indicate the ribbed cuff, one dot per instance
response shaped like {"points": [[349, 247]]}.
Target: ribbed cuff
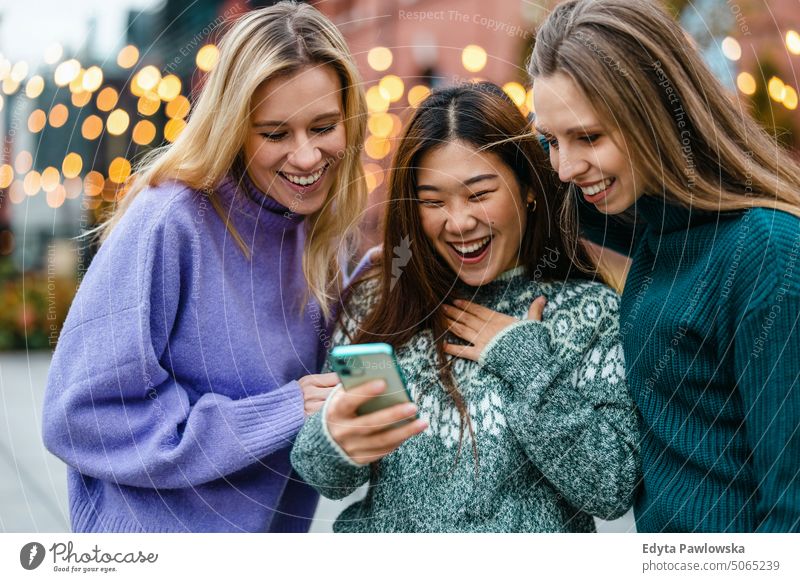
{"points": [[268, 422]]}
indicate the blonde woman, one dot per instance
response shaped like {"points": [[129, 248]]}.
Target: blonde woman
{"points": [[637, 124], [187, 363]]}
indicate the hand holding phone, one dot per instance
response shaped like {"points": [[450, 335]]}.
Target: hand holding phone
{"points": [[370, 437]]}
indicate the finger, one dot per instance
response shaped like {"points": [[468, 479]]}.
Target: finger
{"points": [[474, 309], [537, 308], [378, 446], [460, 329], [380, 420], [348, 401], [462, 316], [311, 407], [314, 393], [465, 352], [330, 379]]}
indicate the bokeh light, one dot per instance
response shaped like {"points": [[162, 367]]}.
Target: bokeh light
{"points": [[178, 107], [207, 57], [731, 48], [173, 129], [72, 165], [746, 83], [107, 99], [473, 58], [380, 58], [34, 86], [127, 56], [58, 115], [117, 122], [793, 42], [93, 183], [417, 94], [51, 178], [144, 132], [92, 79], [37, 120], [169, 88], [6, 175], [119, 170], [66, 72], [92, 127]]}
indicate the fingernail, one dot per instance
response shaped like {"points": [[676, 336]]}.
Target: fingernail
{"points": [[378, 385], [409, 409]]}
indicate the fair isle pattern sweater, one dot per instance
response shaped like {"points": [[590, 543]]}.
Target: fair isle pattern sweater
{"points": [[555, 427]]}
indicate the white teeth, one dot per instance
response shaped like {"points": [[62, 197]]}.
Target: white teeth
{"points": [[472, 247], [597, 188], [304, 180]]}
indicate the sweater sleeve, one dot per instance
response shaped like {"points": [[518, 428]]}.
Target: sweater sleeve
{"points": [[322, 463], [767, 361], [569, 406], [113, 410]]}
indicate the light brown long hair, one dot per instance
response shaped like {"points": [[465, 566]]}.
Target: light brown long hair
{"points": [[482, 116], [263, 44], [691, 140]]}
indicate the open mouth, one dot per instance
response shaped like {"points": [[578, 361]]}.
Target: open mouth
{"points": [[307, 181], [472, 252], [597, 192]]}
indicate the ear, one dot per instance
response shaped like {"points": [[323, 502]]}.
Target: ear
{"points": [[529, 197]]}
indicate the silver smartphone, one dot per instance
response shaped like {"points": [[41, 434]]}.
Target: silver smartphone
{"points": [[360, 363]]}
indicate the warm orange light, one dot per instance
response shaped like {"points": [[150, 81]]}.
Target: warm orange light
{"points": [[393, 87], [746, 83], [81, 99], [92, 127], [144, 132], [169, 88], [93, 183], [32, 183], [56, 196], [6, 175], [73, 187], [72, 165], [377, 147], [119, 170], [36, 121], [51, 178], [173, 129], [59, 115], [107, 99], [516, 92], [16, 192], [178, 107], [148, 103], [207, 57], [380, 124], [377, 101], [417, 95], [128, 56]]}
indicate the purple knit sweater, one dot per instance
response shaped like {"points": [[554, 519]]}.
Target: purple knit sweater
{"points": [[173, 393]]}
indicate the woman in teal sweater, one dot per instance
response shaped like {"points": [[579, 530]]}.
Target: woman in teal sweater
{"points": [[525, 426], [668, 169]]}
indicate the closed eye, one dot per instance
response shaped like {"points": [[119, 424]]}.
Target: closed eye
{"points": [[479, 195], [326, 129], [591, 138], [430, 203], [274, 136]]}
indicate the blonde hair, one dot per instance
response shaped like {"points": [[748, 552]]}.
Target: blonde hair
{"points": [[685, 134], [260, 45]]}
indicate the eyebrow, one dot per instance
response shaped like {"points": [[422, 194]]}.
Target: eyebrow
{"points": [[572, 130], [468, 182], [320, 117]]}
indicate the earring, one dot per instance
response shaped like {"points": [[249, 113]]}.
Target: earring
{"points": [[533, 207]]}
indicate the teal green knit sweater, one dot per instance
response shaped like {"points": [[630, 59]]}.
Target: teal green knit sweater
{"points": [[709, 320], [555, 427]]}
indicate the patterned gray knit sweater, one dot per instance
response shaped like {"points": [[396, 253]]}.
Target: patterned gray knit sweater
{"points": [[555, 427]]}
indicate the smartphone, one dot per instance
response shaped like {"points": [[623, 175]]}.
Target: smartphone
{"points": [[360, 363]]}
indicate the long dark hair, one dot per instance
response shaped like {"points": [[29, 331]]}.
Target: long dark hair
{"points": [[483, 116]]}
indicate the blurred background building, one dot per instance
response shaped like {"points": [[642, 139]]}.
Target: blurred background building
{"points": [[81, 104]]}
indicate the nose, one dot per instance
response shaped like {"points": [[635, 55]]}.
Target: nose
{"points": [[460, 221], [569, 165], [306, 156]]}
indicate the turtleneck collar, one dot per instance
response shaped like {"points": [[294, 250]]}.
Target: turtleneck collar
{"points": [[668, 217], [246, 198]]}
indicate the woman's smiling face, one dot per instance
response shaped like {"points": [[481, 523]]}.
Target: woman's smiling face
{"points": [[582, 150], [297, 138], [471, 210]]}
